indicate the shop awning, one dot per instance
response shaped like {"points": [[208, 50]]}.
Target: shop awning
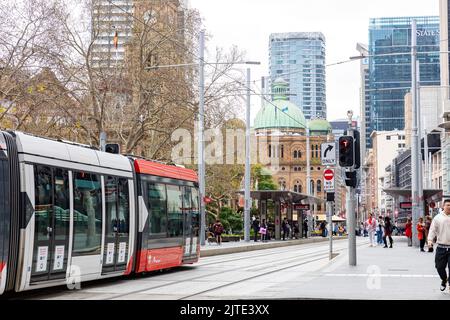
{"points": [[427, 193], [284, 196]]}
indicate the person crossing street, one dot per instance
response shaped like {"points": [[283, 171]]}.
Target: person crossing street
{"points": [[440, 233], [371, 224]]}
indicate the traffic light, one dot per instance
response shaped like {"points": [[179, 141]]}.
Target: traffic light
{"points": [[346, 152], [357, 137], [350, 179], [112, 148]]}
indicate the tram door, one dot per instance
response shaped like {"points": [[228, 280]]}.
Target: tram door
{"points": [[117, 222], [51, 224], [190, 240]]}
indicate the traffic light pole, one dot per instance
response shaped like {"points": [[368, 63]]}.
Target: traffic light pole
{"points": [[351, 218]]}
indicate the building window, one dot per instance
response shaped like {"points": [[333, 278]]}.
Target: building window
{"points": [[388, 137], [295, 154], [270, 151], [282, 151], [319, 186]]}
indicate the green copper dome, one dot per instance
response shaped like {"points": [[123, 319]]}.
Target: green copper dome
{"points": [[280, 113], [320, 125]]}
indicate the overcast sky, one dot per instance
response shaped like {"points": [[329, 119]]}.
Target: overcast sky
{"points": [[248, 24]]}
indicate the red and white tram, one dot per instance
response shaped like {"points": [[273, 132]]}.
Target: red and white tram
{"points": [[71, 213]]}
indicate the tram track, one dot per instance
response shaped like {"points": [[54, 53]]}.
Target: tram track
{"points": [[322, 254]]}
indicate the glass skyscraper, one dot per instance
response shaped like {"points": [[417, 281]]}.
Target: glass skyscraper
{"points": [[390, 75], [299, 58]]}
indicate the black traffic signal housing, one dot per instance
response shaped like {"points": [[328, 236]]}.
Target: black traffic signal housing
{"points": [[112, 148], [357, 138], [350, 179], [346, 152]]}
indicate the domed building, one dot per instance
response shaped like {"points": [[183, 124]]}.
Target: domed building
{"points": [[281, 126]]}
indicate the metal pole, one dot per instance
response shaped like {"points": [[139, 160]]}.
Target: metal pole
{"points": [[308, 178], [414, 138], [419, 143], [201, 163], [351, 219], [248, 200], [103, 141], [426, 165]]}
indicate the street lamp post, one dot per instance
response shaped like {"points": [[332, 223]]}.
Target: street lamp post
{"points": [[248, 199]]}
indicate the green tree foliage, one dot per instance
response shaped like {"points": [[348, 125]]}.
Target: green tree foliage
{"points": [[263, 177]]}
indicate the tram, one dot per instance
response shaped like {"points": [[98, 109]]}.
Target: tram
{"points": [[70, 213]]}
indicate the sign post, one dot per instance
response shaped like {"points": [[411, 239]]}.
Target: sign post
{"points": [[328, 154], [328, 178]]}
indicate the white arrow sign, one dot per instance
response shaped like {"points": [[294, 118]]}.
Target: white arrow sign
{"points": [[329, 154]]}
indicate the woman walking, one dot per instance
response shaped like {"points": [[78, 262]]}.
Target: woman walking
{"points": [[421, 233], [388, 232], [263, 230], [371, 228], [408, 232]]}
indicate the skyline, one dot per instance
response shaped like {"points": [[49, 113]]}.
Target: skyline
{"points": [[344, 24]]}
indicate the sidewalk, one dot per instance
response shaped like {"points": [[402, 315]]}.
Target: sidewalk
{"points": [[214, 249], [400, 273]]}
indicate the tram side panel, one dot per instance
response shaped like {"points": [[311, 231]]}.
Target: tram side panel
{"points": [[4, 212], [64, 238]]}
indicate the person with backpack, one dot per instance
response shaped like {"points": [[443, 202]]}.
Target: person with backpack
{"points": [[388, 228], [255, 226], [305, 228], [218, 230]]}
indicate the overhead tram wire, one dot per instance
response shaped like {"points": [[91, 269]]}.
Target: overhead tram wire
{"points": [[243, 84], [206, 63]]}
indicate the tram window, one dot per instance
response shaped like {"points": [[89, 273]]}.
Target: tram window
{"points": [[124, 206], [157, 206], [43, 201], [174, 205], [187, 207], [195, 213], [87, 214], [62, 204], [111, 205]]}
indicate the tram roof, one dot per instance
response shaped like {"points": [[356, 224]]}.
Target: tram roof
{"points": [[283, 196], [164, 170]]}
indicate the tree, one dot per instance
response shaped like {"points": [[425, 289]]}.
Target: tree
{"points": [[262, 178]]}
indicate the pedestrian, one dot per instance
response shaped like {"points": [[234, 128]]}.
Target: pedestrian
{"points": [[285, 227], [388, 232], [421, 233], [335, 229], [361, 229], [305, 228], [428, 220], [380, 226], [263, 230], [218, 230], [255, 226], [408, 231], [371, 224], [440, 233], [322, 229], [341, 230]]}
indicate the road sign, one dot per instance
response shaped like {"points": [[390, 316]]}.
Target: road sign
{"points": [[328, 180], [329, 154], [300, 206]]}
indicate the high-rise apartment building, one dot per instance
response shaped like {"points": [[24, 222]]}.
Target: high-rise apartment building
{"points": [[114, 21], [390, 67], [299, 58], [112, 29]]}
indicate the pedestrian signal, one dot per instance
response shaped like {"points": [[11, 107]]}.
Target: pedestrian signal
{"points": [[346, 152]]}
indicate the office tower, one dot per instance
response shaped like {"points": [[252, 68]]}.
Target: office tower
{"points": [[299, 59], [390, 67]]}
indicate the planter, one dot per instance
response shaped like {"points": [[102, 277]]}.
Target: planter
{"points": [[231, 239]]}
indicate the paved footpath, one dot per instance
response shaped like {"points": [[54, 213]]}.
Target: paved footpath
{"points": [[213, 249], [400, 273]]}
